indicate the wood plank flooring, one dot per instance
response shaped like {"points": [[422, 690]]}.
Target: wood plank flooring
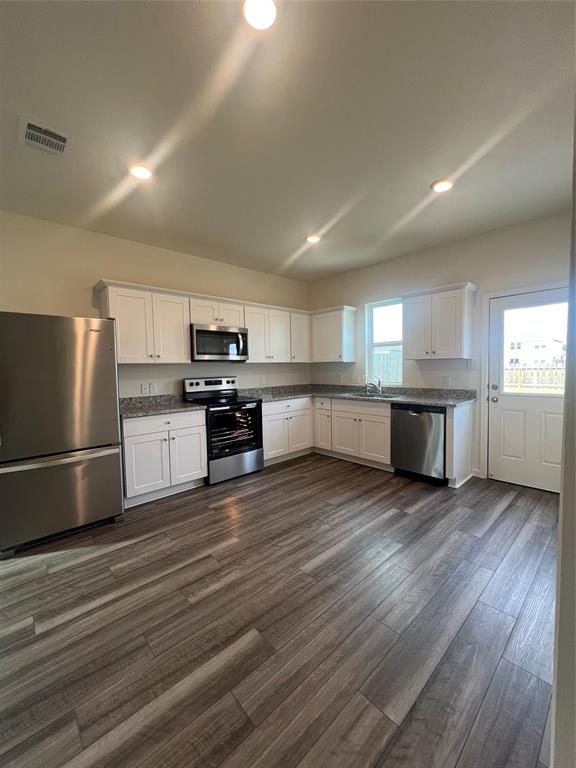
{"points": [[319, 614]]}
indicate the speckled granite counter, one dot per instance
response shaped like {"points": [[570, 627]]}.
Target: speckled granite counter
{"points": [[156, 405], [450, 398]]}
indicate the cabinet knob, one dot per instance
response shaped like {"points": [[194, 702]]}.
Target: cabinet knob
{"points": [[427, 352], [164, 439], [339, 357], [150, 355], [433, 351], [157, 355], [173, 438]]}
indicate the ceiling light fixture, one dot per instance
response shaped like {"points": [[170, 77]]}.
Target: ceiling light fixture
{"points": [[313, 239], [442, 185], [140, 172], [260, 14]]}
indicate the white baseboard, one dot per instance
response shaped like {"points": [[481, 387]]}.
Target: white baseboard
{"points": [[172, 490]]}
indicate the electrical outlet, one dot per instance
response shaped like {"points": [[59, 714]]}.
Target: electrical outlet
{"points": [[145, 389], [153, 388], [262, 381], [446, 382]]}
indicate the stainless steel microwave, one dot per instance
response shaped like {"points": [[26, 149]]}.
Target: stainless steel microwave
{"points": [[218, 342]]}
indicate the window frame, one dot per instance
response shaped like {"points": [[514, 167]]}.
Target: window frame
{"points": [[371, 344]]}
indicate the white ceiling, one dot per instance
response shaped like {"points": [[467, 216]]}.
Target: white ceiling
{"points": [[337, 119]]}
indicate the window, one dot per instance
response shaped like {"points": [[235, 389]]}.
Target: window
{"points": [[384, 341]]}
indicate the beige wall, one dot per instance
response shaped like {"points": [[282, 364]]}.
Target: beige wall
{"points": [[50, 268]]}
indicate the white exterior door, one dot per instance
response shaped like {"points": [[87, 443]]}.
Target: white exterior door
{"points": [[300, 430], [417, 327], [275, 435], [300, 338], [204, 311], [147, 463], [171, 328], [374, 438], [323, 429], [526, 388], [133, 312], [257, 325], [188, 459], [278, 336], [231, 315], [327, 337], [345, 433], [447, 322]]}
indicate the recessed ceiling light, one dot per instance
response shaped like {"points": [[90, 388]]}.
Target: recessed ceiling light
{"points": [[442, 185], [140, 172], [260, 14], [313, 239]]}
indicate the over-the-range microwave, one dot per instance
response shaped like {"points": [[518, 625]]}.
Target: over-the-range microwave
{"points": [[218, 342]]}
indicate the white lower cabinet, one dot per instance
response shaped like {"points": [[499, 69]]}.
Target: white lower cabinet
{"points": [[163, 451], [323, 429], [361, 430], [147, 463], [188, 460], [287, 427]]}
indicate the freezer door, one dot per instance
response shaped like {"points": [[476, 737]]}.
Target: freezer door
{"points": [[58, 388], [47, 496]]}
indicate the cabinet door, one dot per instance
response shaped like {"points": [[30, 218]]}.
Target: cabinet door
{"points": [[257, 324], [204, 311], [323, 429], [345, 433], [188, 460], [275, 434], [231, 314], [278, 336], [417, 320], [300, 338], [374, 438], [447, 324], [327, 337], [300, 430], [171, 328], [147, 463], [132, 310]]}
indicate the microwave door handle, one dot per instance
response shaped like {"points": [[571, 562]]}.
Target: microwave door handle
{"points": [[240, 345]]}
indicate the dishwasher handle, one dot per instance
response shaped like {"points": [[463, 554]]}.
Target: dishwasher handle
{"points": [[417, 409]]}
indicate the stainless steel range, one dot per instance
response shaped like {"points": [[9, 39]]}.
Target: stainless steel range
{"points": [[233, 427]]}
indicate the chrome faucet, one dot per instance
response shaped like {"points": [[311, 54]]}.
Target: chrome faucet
{"points": [[371, 386]]}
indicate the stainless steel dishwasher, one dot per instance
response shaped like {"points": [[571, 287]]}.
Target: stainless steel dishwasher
{"points": [[419, 439]]}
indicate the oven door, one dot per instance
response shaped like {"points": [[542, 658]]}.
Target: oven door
{"points": [[217, 342], [233, 429]]}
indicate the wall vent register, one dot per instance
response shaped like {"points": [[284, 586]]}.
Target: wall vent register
{"points": [[36, 136]]}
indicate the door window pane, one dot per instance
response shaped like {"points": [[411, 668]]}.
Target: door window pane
{"points": [[535, 349]]}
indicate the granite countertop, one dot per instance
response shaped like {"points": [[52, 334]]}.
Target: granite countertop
{"points": [[450, 398], [157, 405]]}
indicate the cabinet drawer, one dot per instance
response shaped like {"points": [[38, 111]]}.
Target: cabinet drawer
{"points": [[323, 403], [144, 425], [360, 407], [287, 406]]}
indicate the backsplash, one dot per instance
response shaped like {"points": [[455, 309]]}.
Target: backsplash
{"points": [[168, 378]]}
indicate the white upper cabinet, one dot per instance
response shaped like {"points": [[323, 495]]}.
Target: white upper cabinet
{"points": [[417, 318], [171, 328], [268, 335], [212, 312], [278, 336], [438, 325], [333, 336], [133, 311], [257, 325], [300, 338]]}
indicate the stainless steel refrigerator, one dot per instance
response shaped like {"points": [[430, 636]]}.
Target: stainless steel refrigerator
{"points": [[60, 460]]}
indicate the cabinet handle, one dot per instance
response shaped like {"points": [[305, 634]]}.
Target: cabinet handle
{"points": [[167, 422]]}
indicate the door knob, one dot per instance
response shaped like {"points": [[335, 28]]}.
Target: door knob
{"points": [[494, 399], [494, 386]]}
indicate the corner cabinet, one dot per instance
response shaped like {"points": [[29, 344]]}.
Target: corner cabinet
{"points": [[438, 325], [334, 336]]}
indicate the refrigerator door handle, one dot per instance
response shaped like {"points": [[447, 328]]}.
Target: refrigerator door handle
{"points": [[66, 458]]}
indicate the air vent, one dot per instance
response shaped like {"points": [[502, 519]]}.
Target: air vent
{"points": [[42, 138]]}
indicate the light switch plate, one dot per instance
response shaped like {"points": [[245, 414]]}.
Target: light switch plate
{"points": [[153, 388], [145, 389]]}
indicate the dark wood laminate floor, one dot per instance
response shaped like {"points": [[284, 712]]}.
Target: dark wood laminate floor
{"points": [[318, 614]]}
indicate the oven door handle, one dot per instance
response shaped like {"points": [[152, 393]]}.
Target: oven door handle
{"points": [[240, 344], [221, 408]]}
